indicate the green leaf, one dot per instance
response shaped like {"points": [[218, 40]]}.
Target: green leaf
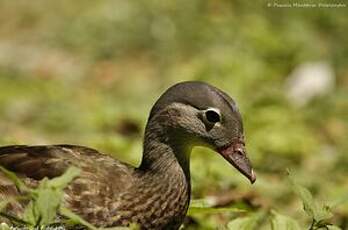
{"points": [[323, 212], [50, 193], [134, 227], [30, 214], [17, 181], [197, 210], [339, 201], [202, 206], [199, 203], [245, 223], [312, 208], [4, 226], [333, 227], [47, 203], [279, 221], [62, 181], [4, 203], [47, 197], [75, 218]]}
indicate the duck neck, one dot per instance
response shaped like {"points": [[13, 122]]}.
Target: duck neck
{"points": [[165, 152]]}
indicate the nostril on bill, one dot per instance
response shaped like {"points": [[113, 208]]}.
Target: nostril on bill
{"points": [[239, 151]]}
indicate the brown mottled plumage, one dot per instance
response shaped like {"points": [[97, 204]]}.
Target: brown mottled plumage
{"points": [[156, 195]]}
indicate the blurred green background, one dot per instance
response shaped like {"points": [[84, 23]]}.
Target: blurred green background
{"points": [[88, 72]]}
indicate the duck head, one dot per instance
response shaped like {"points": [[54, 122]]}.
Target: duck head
{"points": [[198, 114]]}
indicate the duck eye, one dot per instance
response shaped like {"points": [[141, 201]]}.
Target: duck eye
{"points": [[212, 115]]}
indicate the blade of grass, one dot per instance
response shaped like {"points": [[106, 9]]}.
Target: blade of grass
{"points": [[17, 181], [76, 219]]}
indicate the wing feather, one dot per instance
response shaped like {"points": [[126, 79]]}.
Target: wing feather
{"points": [[101, 181]]}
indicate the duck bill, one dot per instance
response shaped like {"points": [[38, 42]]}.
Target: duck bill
{"points": [[236, 155]]}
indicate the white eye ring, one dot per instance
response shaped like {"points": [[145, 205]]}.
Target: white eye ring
{"points": [[212, 115]]}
